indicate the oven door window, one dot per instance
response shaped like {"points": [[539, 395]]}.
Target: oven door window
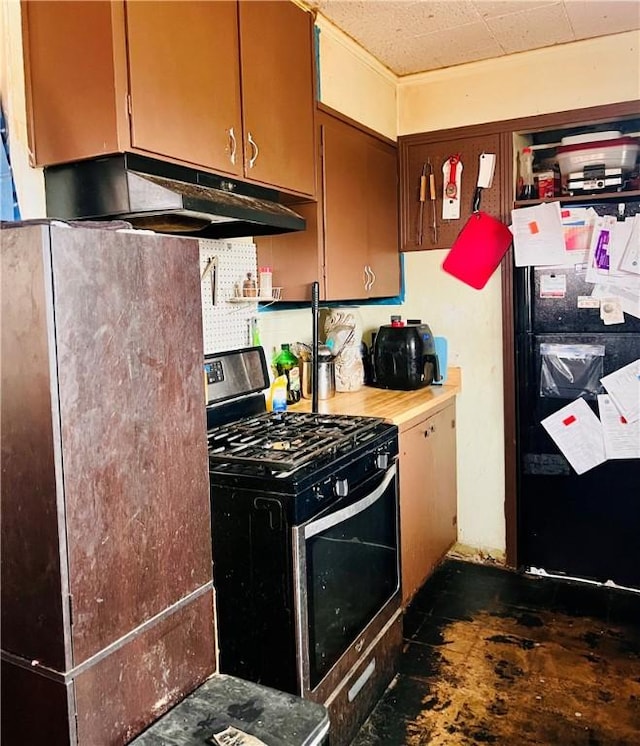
{"points": [[351, 557]]}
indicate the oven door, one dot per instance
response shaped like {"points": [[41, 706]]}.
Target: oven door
{"points": [[347, 572]]}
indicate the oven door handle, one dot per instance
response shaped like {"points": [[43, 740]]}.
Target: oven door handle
{"points": [[322, 524]]}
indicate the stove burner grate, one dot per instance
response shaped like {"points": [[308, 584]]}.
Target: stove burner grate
{"points": [[284, 441]]}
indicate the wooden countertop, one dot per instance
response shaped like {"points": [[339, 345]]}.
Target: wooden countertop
{"points": [[399, 407]]}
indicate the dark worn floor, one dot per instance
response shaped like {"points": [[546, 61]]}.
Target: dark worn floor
{"points": [[494, 657]]}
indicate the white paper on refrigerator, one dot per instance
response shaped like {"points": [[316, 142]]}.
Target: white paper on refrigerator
{"points": [[621, 438], [537, 236], [630, 260], [623, 386], [629, 297], [609, 243], [577, 226], [578, 434]]}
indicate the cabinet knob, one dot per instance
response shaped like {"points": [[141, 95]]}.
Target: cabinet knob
{"points": [[254, 147], [232, 146]]}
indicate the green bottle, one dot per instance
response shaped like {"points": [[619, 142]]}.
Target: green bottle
{"points": [[287, 364]]}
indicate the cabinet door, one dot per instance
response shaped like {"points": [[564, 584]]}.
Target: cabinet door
{"points": [[344, 176], [413, 155], [352, 227], [72, 101], [382, 218], [184, 80], [276, 48], [427, 497]]}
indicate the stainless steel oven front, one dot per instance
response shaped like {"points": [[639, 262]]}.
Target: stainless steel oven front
{"points": [[347, 578]]}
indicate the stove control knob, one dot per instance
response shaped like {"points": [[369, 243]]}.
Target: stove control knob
{"points": [[382, 461], [341, 487]]}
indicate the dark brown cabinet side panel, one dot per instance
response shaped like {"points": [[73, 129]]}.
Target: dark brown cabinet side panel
{"points": [[294, 257], [35, 709], [142, 680], [32, 621], [129, 342], [70, 73], [413, 155]]}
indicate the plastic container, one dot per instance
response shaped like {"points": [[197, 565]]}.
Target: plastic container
{"points": [[620, 153], [591, 137], [277, 400], [265, 279], [527, 190]]}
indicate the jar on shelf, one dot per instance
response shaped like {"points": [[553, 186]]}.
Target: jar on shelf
{"points": [[249, 287]]}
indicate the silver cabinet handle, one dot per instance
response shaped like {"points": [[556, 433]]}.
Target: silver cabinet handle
{"points": [[370, 277], [365, 277], [232, 146], [254, 147]]}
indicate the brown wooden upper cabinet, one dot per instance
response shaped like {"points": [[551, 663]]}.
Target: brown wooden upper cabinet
{"points": [[226, 86], [351, 242], [360, 193], [416, 228]]}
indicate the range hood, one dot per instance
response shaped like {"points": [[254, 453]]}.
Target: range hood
{"points": [[165, 197]]}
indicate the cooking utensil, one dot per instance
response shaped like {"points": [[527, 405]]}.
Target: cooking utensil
{"points": [[478, 250], [432, 197], [479, 247], [451, 190], [422, 197]]}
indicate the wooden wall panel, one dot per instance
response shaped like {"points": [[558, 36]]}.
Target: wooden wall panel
{"points": [[414, 156]]}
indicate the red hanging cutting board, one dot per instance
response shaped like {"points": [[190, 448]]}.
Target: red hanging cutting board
{"points": [[478, 250]]}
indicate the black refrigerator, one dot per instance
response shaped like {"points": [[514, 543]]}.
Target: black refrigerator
{"points": [[583, 526]]}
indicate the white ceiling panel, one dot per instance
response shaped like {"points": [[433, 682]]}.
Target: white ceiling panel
{"points": [[531, 29], [411, 36], [588, 17]]}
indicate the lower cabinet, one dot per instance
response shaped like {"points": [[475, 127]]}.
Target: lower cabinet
{"points": [[428, 495]]}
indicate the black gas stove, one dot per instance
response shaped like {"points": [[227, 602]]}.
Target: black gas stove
{"points": [[304, 516]]}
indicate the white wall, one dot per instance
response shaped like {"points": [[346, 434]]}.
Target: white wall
{"points": [[29, 181], [568, 76], [354, 83]]}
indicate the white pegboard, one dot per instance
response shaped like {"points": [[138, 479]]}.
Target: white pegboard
{"points": [[226, 324]]}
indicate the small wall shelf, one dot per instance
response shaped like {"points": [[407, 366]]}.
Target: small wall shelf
{"points": [[273, 298], [583, 198]]}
